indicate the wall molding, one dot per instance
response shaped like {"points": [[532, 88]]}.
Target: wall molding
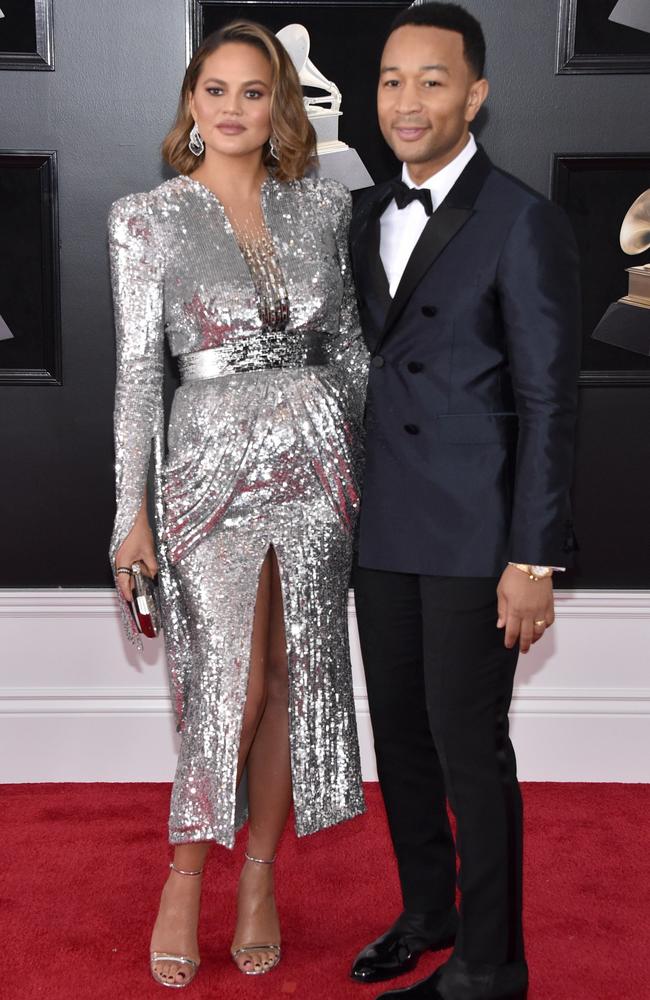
{"points": [[59, 602], [77, 703], [82, 700], [598, 604]]}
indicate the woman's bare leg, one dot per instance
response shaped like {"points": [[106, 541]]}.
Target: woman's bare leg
{"points": [[257, 679], [264, 747], [175, 930], [269, 787]]}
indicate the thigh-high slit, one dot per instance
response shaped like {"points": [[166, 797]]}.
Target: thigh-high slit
{"points": [[220, 581]]}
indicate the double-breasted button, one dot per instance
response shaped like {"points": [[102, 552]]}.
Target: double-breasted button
{"points": [[411, 428], [429, 311], [415, 367], [377, 361]]}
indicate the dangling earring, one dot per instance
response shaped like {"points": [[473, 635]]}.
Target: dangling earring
{"points": [[196, 143], [273, 148]]}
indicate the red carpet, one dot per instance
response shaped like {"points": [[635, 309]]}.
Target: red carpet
{"points": [[83, 866]]}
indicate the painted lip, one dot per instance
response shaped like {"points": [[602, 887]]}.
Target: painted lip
{"points": [[410, 133], [231, 129]]}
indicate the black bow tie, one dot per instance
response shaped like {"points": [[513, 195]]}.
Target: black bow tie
{"points": [[404, 195]]}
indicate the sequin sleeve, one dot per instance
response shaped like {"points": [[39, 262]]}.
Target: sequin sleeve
{"points": [[350, 352], [136, 274]]}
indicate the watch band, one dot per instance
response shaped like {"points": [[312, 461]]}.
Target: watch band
{"points": [[533, 572]]}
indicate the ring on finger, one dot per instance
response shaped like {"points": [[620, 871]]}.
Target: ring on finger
{"points": [[124, 570], [540, 624]]}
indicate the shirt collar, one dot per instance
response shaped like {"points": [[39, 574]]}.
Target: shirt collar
{"points": [[441, 183]]}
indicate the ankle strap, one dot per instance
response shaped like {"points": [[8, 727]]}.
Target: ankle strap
{"points": [[181, 872], [259, 861]]}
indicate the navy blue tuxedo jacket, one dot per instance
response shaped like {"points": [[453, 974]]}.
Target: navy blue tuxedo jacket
{"points": [[473, 382]]}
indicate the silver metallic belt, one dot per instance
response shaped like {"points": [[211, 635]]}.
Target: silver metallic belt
{"points": [[267, 351]]}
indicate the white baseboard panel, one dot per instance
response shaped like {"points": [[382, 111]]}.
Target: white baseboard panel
{"points": [[78, 704]]}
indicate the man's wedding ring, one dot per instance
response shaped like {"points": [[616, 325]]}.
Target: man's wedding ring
{"points": [[124, 569], [541, 623]]}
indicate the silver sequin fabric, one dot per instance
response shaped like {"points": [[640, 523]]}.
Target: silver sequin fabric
{"points": [[261, 454]]}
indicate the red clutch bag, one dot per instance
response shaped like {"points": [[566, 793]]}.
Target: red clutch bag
{"points": [[145, 604]]}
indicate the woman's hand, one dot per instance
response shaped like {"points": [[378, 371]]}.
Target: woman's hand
{"points": [[137, 547]]}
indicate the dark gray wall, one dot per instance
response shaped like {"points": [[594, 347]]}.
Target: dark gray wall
{"points": [[106, 109]]}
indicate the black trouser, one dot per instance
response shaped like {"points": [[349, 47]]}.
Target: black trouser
{"points": [[439, 687]]}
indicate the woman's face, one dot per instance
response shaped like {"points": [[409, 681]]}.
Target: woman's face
{"points": [[231, 103]]}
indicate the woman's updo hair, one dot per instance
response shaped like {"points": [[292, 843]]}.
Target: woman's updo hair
{"points": [[294, 135]]}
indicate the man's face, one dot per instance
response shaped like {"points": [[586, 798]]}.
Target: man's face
{"points": [[427, 94]]}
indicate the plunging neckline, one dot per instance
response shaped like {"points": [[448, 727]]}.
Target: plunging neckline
{"points": [[266, 184], [250, 252], [265, 187]]}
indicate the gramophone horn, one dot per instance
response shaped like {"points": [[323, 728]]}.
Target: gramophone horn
{"points": [[635, 231], [296, 41]]}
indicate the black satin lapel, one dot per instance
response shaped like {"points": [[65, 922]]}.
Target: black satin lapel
{"points": [[439, 230], [378, 280], [468, 186], [370, 275]]}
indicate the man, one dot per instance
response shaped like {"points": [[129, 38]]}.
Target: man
{"points": [[469, 300]]}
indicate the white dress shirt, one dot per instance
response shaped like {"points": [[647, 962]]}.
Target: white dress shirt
{"points": [[402, 228]]}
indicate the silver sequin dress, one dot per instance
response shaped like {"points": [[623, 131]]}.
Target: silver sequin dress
{"points": [[262, 449]]}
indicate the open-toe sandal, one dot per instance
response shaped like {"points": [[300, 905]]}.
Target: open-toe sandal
{"points": [[187, 965], [249, 949]]}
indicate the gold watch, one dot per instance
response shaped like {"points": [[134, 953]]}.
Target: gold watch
{"points": [[535, 573]]}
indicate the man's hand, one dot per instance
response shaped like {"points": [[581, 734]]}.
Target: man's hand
{"points": [[525, 608]]}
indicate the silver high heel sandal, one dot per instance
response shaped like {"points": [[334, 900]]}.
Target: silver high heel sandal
{"points": [[274, 949], [181, 960]]}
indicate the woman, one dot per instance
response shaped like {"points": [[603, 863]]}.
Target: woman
{"points": [[242, 262]]}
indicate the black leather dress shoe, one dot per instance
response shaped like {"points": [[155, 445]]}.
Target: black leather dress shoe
{"points": [[399, 949], [427, 989]]}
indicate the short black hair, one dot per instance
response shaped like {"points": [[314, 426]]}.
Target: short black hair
{"points": [[451, 17]]}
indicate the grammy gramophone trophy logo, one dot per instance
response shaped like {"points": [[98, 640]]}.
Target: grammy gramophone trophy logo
{"points": [[337, 160], [627, 322], [635, 238]]}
